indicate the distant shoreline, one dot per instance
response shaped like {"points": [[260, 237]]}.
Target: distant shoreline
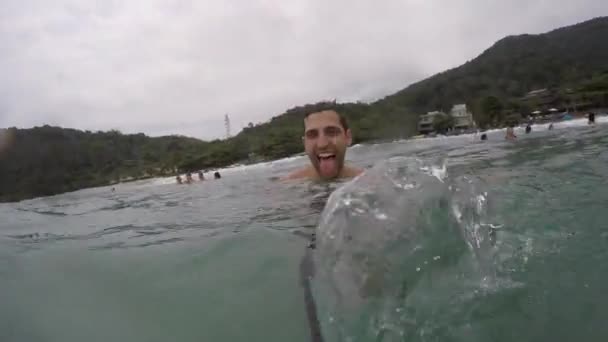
{"points": [[245, 163]]}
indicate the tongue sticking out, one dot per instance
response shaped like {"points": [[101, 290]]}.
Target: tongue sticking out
{"points": [[328, 166]]}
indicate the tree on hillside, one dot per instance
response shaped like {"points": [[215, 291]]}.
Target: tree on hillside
{"points": [[491, 107]]}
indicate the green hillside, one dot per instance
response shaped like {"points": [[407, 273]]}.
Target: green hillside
{"points": [[564, 58], [48, 160]]}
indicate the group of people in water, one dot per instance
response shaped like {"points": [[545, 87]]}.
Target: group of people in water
{"points": [[510, 133], [201, 177], [326, 138]]}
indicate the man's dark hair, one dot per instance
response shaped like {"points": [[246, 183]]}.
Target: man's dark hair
{"points": [[309, 109]]}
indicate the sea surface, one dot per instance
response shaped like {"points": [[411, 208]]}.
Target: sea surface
{"points": [[443, 239]]}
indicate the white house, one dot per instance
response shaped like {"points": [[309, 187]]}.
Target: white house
{"points": [[463, 119], [425, 122]]}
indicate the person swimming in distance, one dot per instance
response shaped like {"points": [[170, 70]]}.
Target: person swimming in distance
{"points": [[188, 177], [326, 139], [484, 137], [179, 179], [591, 118], [217, 175], [528, 129], [201, 176], [510, 134]]}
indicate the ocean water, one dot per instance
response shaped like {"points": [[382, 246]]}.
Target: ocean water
{"points": [[445, 239]]}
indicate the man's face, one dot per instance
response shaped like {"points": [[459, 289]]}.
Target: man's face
{"points": [[325, 141]]}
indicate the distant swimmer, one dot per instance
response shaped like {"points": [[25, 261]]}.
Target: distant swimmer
{"points": [[326, 138], [178, 179], [484, 137], [528, 129], [510, 134], [217, 175], [550, 127], [188, 177], [201, 176], [591, 118]]}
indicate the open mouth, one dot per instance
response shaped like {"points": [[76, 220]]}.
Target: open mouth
{"points": [[328, 165], [326, 157]]}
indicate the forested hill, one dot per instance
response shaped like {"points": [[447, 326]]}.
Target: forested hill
{"points": [[48, 160], [513, 66], [571, 60]]}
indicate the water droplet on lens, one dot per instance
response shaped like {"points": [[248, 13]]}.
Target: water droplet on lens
{"points": [[381, 216]]}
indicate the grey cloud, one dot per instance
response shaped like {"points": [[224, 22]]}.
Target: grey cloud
{"points": [[178, 66]]}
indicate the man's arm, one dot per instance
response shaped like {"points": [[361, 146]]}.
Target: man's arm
{"points": [[350, 172]]}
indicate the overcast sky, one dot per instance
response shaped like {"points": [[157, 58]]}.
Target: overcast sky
{"points": [[177, 66]]}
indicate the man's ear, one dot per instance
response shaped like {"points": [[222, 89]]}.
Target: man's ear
{"points": [[349, 137]]}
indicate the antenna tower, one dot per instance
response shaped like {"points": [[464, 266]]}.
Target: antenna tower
{"points": [[227, 124]]}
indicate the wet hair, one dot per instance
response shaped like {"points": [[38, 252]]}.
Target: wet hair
{"points": [[310, 109]]}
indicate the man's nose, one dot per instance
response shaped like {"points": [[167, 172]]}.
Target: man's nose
{"points": [[323, 140]]}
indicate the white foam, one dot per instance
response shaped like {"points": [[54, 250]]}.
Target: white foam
{"points": [[230, 169]]}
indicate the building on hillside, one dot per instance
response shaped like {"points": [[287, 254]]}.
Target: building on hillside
{"points": [[538, 93], [425, 122], [540, 99], [543, 102], [463, 119]]}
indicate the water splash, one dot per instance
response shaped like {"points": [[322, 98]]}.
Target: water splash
{"points": [[399, 250]]}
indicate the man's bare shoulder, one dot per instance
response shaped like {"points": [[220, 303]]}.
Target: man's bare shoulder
{"points": [[350, 172], [307, 172]]}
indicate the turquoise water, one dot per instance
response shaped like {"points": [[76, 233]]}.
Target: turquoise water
{"points": [[447, 239]]}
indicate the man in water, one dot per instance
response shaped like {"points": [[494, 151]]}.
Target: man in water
{"points": [[217, 175], [178, 179], [528, 129], [188, 177], [201, 176], [326, 138], [591, 118]]}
